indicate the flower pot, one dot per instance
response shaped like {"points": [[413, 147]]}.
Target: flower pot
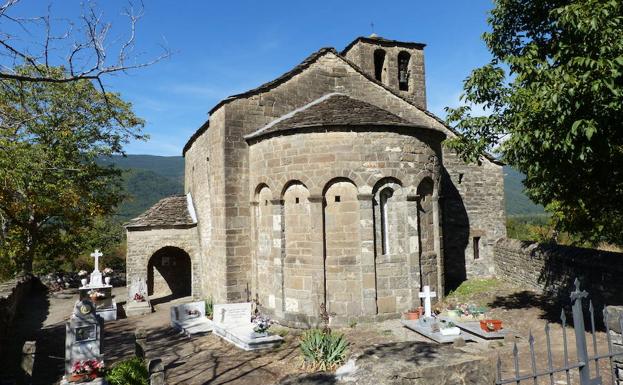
{"points": [[107, 280], [84, 282], [78, 378], [412, 315], [491, 325]]}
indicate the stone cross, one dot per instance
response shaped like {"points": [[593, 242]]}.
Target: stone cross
{"points": [[97, 254], [427, 295]]}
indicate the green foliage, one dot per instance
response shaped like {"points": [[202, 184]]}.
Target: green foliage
{"points": [[52, 190], [209, 307], [323, 350], [553, 97], [129, 372]]}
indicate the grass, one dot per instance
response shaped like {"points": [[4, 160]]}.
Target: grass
{"points": [[472, 289]]}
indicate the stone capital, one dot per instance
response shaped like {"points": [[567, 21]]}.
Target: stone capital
{"points": [[276, 202], [365, 197], [315, 198]]}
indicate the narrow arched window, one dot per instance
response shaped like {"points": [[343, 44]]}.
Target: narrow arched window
{"points": [[379, 63], [384, 198], [403, 70]]}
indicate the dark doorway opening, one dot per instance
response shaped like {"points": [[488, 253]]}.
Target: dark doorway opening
{"points": [[169, 274]]}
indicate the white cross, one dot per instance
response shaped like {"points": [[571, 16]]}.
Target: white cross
{"points": [[427, 295], [97, 254]]}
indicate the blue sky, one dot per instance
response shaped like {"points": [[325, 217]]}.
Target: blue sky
{"points": [[225, 47]]}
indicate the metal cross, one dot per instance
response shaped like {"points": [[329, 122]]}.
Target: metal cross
{"points": [[97, 254], [577, 293]]}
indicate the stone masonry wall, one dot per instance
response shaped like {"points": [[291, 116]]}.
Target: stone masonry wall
{"points": [[12, 293], [473, 210], [322, 182], [221, 188], [143, 244], [552, 268], [362, 54]]}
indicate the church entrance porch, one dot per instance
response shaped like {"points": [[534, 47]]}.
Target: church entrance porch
{"points": [[169, 274]]}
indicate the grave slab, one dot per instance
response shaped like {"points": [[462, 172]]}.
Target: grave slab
{"points": [[232, 322], [436, 336], [474, 328]]}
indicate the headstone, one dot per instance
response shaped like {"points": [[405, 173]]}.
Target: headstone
{"points": [[190, 318], [99, 293], [233, 314], [138, 300], [233, 323], [83, 339]]}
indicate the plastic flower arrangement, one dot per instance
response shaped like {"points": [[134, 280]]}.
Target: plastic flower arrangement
{"points": [[138, 297], [108, 272], [262, 323], [87, 367], [96, 294], [82, 273]]}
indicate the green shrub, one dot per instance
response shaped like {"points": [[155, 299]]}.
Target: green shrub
{"points": [[128, 372], [209, 307], [323, 350]]}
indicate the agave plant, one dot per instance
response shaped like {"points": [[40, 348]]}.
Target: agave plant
{"points": [[323, 350]]}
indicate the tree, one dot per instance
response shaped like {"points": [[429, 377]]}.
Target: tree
{"points": [[76, 46], [52, 190], [553, 94]]}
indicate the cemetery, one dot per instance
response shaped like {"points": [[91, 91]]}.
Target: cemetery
{"points": [[464, 333], [344, 222]]}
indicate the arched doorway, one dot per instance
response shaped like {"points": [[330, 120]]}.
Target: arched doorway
{"points": [[169, 274]]}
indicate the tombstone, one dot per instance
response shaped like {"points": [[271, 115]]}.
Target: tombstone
{"points": [[83, 344], [232, 322], [138, 300], [99, 292], [190, 318]]}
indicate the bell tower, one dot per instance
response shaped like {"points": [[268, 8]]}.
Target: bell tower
{"points": [[397, 64]]}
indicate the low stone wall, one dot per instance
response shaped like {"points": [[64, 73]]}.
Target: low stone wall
{"points": [[552, 268], [11, 294], [614, 315]]}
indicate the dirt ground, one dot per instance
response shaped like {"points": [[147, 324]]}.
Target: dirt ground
{"points": [[210, 360]]}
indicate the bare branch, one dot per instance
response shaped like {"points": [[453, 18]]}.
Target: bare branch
{"points": [[85, 45]]}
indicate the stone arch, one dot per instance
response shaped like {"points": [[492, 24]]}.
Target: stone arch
{"points": [[258, 188], [169, 273], [299, 264], [403, 70], [296, 177], [342, 247], [379, 64], [389, 218], [388, 174]]}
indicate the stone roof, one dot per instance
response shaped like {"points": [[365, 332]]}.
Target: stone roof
{"points": [[334, 109], [167, 212]]}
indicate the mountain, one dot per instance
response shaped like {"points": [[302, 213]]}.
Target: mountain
{"points": [[149, 178], [517, 203]]}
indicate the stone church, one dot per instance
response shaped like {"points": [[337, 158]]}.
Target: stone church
{"points": [[329, 184]]}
